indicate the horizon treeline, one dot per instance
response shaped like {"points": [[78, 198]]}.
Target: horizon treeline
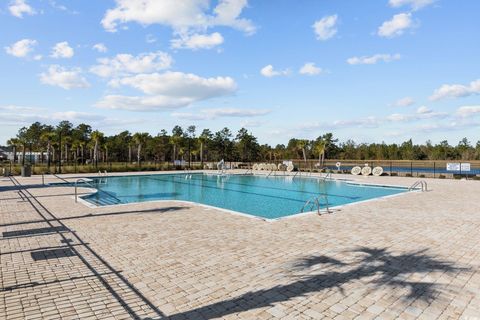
{"points": [[81, 144]]}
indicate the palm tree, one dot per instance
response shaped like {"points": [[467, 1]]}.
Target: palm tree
{"points": [[301, 145], [67, 141], [175, 139], [204, 138], [97, 136], [140, 140], [47, 137], [320, 150]]}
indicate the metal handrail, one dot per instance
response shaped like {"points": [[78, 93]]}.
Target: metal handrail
{"points": [[270, 173], [315, 200], [93, 187], [421, 183], [76, 186], [328, 175]]}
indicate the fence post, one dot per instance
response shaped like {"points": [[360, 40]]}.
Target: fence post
{"points": [[434, 169], [411, 168]]}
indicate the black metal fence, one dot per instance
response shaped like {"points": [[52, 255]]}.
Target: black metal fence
{"points": [[422, 169]]}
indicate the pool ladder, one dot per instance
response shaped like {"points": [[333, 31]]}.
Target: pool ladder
{"points": [[270, 173], [315, 202], [421, 183], [188, 173], [328, 175]]}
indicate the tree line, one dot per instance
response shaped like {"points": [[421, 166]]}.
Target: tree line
{"points": [[81, 144]]}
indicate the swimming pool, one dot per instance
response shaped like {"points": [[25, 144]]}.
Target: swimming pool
{"points": [[271, 198]]}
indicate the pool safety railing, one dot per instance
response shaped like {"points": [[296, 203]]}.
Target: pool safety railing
{"points": [[249, 171], [328, 175], [103, 176], [420, 183], [111, 198], [84, 181], [314, 202], [270, 173]]}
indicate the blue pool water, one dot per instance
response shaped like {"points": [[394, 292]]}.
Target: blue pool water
{"points": [[270, 198]]}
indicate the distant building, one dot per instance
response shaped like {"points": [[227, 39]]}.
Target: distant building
{"points": [[30, 157], [3, 155]]}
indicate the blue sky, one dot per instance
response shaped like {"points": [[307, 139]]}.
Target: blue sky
{"points": [[371, 71]]}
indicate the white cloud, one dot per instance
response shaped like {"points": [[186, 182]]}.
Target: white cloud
{"points": [[64, 78], [179, 84], [124, 64], [227, 13], [325, 28], [20, 7], [62, 50], [414, 4], [269, 72], [310, 69], [210, 114], [373, 59], [25, 115], [76, 116], [404, 102], [456, 90], [446, 127], [143, 103], [368, 122], [251, 124], [396, 26], [190, 15], [169, 90], [14, 108], [100, 47], [421, 114], [198, 41], [424, 110], [22, 48], [467, 111]]}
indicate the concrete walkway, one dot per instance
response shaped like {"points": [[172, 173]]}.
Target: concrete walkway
{"points": [[407, 257]]}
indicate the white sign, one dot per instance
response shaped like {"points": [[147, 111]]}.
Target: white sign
{"points": [[465, 166], [453, 166]]}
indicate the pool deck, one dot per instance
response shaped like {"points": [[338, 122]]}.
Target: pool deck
{"points": [[415, 256]]}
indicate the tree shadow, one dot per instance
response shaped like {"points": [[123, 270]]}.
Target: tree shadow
{"points": [[385, 268], [311, 261]]}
